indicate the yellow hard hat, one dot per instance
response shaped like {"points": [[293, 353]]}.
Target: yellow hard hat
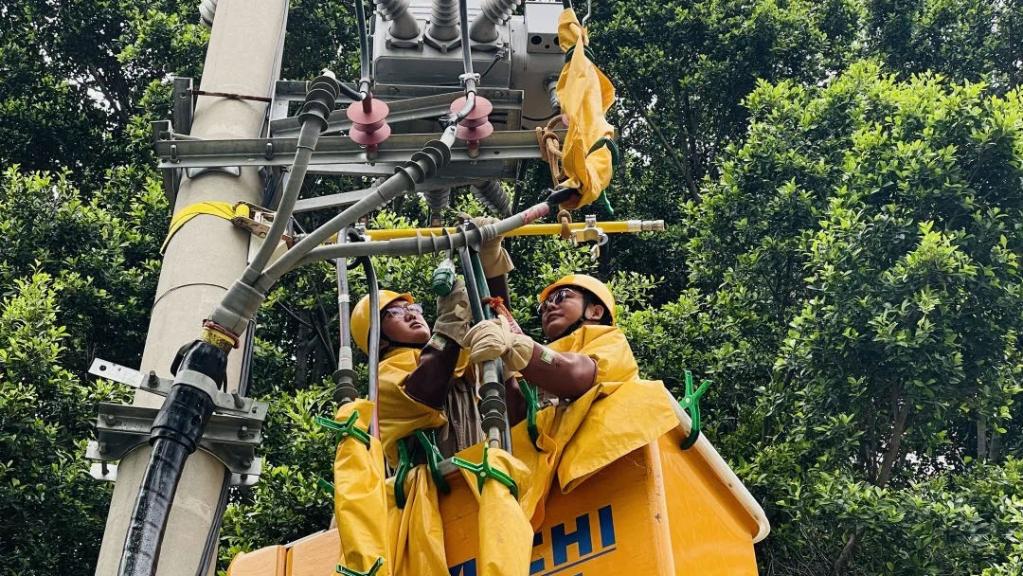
{"points": [[594, 286], [360, 315]]}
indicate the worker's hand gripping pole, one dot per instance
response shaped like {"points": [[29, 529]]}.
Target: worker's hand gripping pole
{"points": [[493, 406]]}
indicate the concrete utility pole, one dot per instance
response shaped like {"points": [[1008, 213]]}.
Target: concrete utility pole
{"points": [[202, 261]]}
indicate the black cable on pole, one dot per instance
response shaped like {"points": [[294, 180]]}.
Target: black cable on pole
{"points": [[365, 81], [374, 339], [468, 77]]}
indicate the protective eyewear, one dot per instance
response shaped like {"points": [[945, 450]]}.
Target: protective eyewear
{"points": [[555, 298], [401, 311]]}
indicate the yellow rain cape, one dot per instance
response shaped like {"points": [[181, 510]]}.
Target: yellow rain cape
{"points": [[505, 535], [359, 498], [417, 530], [621, 413], [586, 95]]}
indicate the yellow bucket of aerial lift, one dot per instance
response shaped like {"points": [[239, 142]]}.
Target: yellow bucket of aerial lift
{"points": [[659, 510]]}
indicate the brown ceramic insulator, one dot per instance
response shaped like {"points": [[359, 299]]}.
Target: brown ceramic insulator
{"points": [[476, 126], [369, 122]]}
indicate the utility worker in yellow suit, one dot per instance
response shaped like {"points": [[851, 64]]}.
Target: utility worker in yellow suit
{"points": [[426, 395], [610, 411]]}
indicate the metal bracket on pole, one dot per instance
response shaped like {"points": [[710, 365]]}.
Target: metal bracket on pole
{"points": [[232, 435], [225, 402]]}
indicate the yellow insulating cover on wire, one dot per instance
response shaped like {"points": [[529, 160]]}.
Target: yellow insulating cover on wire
{"points": [[360, 500], [622, 411], [399, 414], [417, 530], [586, 95], [505, 535]]}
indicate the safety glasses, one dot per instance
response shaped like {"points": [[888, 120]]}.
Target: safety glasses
{"points": [[401, 311], [555, 298]]}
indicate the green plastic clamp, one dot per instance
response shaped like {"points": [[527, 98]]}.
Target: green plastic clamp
{"points": [[348, 429], [404, 465], [326, 486], [532, 398], [483, 470], [345, 571], [691, 404], [586, 50], [612, 146], [433, 458]]}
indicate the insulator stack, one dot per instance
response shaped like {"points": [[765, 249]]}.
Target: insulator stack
{"points": [[207, 10], [444, 20], [369, 123], [439, 199], [476, 126], [493, 197], [403, 23], [492, 13]]}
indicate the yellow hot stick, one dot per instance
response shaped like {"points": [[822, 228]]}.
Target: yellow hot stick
{"points": [[616, 227]]}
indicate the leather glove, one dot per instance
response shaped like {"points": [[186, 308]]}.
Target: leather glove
{"points": [[453, 313], [519, 352], [492, 339], [488, 340], [493, 256]]}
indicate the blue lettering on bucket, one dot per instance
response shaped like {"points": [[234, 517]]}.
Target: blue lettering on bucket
{"points": [[563, 539]]}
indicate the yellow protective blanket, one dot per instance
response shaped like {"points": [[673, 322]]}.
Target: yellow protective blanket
{"points": [[505, 536], [586, 95], [359, 497], [399, 414], [417, 530], [621, 413]]}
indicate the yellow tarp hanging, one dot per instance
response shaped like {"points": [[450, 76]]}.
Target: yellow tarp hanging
{"points": [[417, 530], [625, 413], [505, 534], [225, 210], [360, 501], [586, 94], [621, 413], [400, 415]]}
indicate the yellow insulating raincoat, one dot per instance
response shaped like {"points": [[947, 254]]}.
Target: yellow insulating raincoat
{"points": [[417, 530], [505, 534], [619, 414], [586, 95], [359, 497]]}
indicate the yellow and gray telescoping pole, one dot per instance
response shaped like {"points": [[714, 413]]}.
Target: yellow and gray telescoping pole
{"points": [[199, 265], [617, 227]]}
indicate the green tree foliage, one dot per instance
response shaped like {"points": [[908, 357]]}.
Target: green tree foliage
{"points": [[864, 240]]}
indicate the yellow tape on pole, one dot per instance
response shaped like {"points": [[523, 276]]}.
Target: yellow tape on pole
{"points": [[225, 210]]}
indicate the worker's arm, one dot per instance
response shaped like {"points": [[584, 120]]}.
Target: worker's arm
{"points": [[565, 374], [430, 382], [515, 400]]}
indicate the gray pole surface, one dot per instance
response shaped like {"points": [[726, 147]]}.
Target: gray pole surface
{"points": [[202, 261]]}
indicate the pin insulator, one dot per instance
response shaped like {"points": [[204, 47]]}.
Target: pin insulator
{"points": [[476, 126], [369, 123]]}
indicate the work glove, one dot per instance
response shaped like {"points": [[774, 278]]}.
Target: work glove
{"points": [[492, 339], [453, 313], [493, 256]]}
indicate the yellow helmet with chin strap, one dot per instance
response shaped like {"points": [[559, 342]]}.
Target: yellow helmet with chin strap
{"points": [[360, 315], [599, 290]]}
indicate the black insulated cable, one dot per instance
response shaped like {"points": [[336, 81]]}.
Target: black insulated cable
{"points": [[175, 434], [468, 77]]}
